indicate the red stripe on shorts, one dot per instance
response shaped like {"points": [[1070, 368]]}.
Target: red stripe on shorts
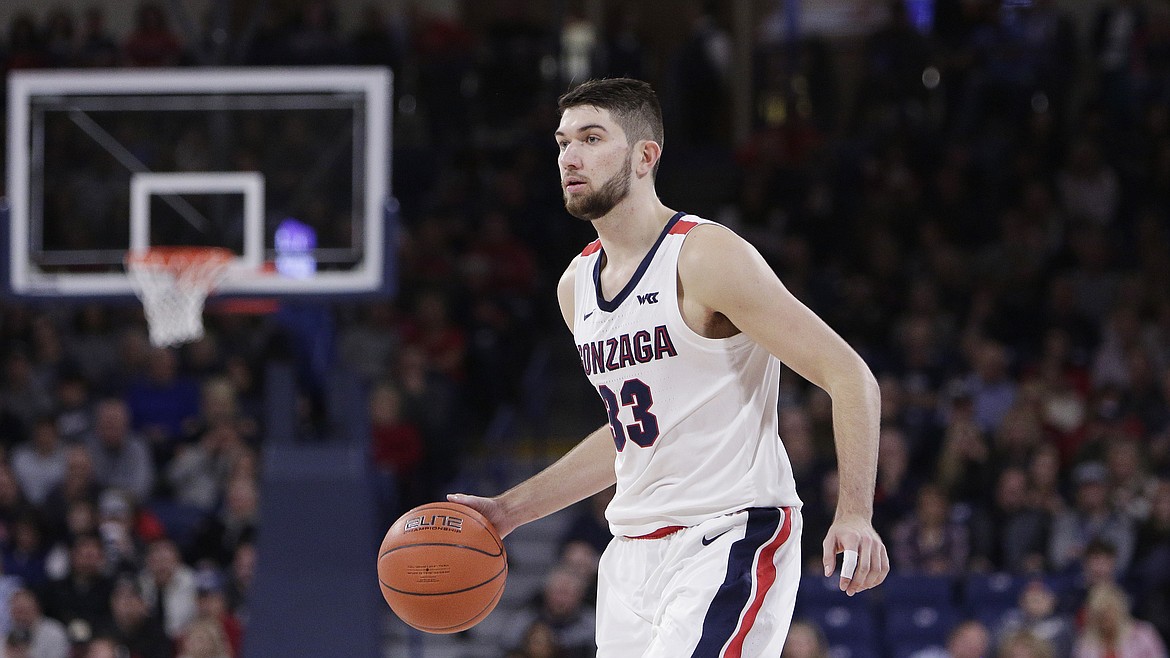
{"points": [[664, 531], [765, 578]]}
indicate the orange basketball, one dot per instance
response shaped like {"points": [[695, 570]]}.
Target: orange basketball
{"points": [[442, 567]]}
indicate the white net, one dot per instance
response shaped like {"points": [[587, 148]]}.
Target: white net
{"points": [[173, 283]]}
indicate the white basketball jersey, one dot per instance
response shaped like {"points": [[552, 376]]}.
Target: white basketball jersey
{"points": [[694, 419]]}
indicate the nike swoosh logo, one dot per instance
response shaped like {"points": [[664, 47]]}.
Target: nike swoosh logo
{"points": [[707, 540], [587, 315]]}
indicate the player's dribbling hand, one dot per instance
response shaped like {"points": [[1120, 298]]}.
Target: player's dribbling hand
{"points": [[865, 562], [489, 507]]}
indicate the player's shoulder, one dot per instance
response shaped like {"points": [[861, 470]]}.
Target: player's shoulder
{"points": [[707, 241], [589, 250]]}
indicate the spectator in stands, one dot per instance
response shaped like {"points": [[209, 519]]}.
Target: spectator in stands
{"points": [[220, 402], [819, 511], [198, 472], [1151, 564], [104, 647], [507, 261], [92, 343], [168, 587], [929, 540], [796, 428], [965, 468], [396, 452], [152, 43], [16, 644], [24, 554], [1036, 615], [120, 458], [26, 47], [47, 637], [205, 639], [1098, 566], [74, 410], [540, 641], [80, 519], [1044, 480], [313, 39], [377, 41], [1121, 335], [895, 56], [1110, 629], [79, 486], [163, 403], [431, 399], [561, 606], [97, 49], [432, 329], [12, 503], [47, 353], [220, 536], [118, 527], [969, 639], [213, 606], [1023, 644], [805, 640], [1018, 436], [238, 588], [368, 342], [993, 392], [60, 41], [589, 526], [1010, 534], [8, 586], [700, 77], [1092, 517], [81, 600], [132, 625], [39, 463], [897, 485], [22, 395], [1132, 486]]}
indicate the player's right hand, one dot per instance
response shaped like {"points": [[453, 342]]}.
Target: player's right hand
{"points": [[491, 509]]}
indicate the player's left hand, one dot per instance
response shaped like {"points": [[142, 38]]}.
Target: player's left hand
{"points": [[865, 563]]}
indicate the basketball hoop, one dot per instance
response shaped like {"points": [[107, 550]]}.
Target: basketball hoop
{"points": [[173, 283]]}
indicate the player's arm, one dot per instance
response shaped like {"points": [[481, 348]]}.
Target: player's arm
{"points": [[582, 472], [721, 273]]}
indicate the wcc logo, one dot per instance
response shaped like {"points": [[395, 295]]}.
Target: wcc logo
{"points": [[648, 298], [436, 521]]}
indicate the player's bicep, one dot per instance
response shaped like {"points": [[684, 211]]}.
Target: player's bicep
{"points": [[728, 275]]}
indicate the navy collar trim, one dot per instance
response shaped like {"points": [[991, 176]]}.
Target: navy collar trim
{"points": [[611, 306]]}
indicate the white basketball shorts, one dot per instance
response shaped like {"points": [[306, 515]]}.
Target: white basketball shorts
{"points": [[722, 589]]}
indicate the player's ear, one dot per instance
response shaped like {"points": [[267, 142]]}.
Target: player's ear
{"points": [[647, 152]]}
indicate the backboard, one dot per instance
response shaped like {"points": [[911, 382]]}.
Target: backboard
{"points": [[286, 168]]}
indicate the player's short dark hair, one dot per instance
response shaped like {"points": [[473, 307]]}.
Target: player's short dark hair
{"points": [[632, 103]]}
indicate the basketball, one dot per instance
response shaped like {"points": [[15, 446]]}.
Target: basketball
{"points": [[442, 567]]}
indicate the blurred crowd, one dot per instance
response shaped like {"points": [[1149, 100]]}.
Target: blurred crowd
{"points": [[977, 200]]}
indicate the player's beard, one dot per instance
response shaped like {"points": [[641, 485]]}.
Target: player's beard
{"points": [[598, 204]]}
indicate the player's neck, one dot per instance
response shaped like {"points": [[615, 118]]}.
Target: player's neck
{"points": [[629, 230]]}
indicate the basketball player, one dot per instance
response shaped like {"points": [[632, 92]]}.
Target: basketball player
{"points": [[682, 328]]}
